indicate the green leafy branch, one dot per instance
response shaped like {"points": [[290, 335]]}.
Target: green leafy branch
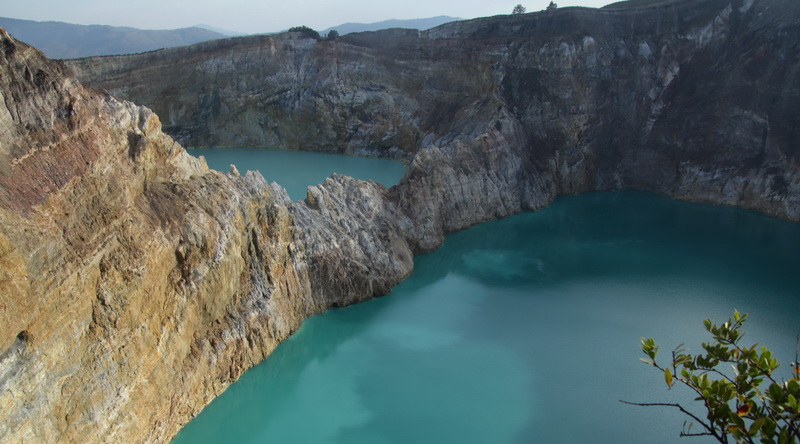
{"points": [[736, 405]]}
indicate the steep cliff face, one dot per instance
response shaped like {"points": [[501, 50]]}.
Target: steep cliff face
{"points": [[135, 284], [687, 99], [692, 99]]}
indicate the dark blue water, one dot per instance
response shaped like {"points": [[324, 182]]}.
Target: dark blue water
{"points": [[296, 170], [525, 330]]}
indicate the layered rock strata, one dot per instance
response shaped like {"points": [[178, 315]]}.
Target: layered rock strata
{"points": [[137, 284], [692, 99]]}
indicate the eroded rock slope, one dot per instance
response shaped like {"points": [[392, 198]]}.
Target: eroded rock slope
{"points": [[135, 284], [692, 99]]}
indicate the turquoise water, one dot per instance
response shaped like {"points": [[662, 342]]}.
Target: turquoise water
{"points": [[525, 330], [282, 166]]}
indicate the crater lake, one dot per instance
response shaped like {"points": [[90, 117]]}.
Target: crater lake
{"points": [[524, 330]]}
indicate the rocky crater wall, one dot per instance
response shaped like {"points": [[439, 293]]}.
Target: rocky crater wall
{"points": [[692, 99], [136, 284]]}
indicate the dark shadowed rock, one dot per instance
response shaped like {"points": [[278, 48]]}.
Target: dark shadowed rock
{"points": [[692, 99]]}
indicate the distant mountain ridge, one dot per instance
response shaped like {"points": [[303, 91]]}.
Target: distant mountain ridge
{"points": [[60, 40], [421, 24]]}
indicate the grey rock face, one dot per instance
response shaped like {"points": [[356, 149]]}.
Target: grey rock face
{"points": [[356, 240], [696, 100]]}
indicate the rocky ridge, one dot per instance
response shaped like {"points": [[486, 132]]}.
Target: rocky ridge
{"points": [[692, 99], [137, 283]]}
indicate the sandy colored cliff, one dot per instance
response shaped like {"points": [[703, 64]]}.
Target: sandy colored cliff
{"points": [[136, 283]]}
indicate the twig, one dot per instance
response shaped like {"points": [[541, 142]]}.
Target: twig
{"points": [[710, 430]]}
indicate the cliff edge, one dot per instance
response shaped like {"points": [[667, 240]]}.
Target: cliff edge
{"points": [[691, 99], [137, 284]]}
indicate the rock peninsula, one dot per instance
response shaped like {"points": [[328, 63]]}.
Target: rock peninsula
{"points": [[137, 283]]}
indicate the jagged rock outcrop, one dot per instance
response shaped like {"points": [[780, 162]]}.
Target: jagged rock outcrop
{"points": [[692, 99], [135, 284]]}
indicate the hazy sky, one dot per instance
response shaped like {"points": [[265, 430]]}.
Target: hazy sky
{"points": [[256, 16]]}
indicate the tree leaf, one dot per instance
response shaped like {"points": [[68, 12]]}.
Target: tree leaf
{"points": [[756, 426], [668, 377], [744, 409]]}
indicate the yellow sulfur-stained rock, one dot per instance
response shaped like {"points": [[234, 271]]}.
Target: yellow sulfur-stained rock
{"points": [[136, 283]]}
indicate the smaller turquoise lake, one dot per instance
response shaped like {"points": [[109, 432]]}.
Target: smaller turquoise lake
{"points": [[296, 170]]}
